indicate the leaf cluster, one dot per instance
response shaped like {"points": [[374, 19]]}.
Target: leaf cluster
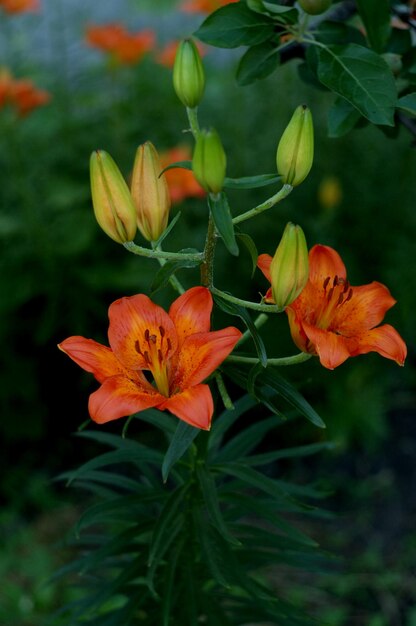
{"points": [[193, 543], [364, 55]]}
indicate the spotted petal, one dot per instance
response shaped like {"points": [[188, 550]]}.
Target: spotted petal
{"points": [[323, 262], [332, 349], [386, 341], [133, 319], [365, 310], [191, 312]]}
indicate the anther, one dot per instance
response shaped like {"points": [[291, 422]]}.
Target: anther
{"points": [[160, 355], [346, 286], [326, 281], [340, 299], [335, 283], [162, 331], [147, 335], [137, 347], [349, 296], [147, 358]]}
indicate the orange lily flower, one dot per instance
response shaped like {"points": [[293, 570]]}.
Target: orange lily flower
{"points": [[19, 6], [333, 320], [26, 97], [203, 6], [182, 183], [124, 46], [176, 348]]}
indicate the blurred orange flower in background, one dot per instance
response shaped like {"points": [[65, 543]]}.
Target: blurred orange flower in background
{"points": [[22, 94], [182, 183], [167, 55], [19, 6], [124, 46], [203, 6]]}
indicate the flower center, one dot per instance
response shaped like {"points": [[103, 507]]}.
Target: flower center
{"points": [[155, 349], [335, 296]]}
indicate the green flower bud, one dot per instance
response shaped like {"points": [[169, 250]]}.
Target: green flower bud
{"points": [[315, 7], [289, 269], [150, 192], [113, 205], [188, 74], [209, 161], [295, 150]]}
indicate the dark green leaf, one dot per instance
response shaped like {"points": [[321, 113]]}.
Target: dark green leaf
{"points": [[235, 25], [362, 77], [263, 394], [166, 422], [170, 268], [214, 549], [251, 247], [342, 117], [338, 33], [257, 63], [224, 421], [223, 220], [400, 41], [245, 441], [408, 103], [162, 528], [288, 453], [251, 182], [376, 15], [209, 492], [181, 440], [239, 311]]}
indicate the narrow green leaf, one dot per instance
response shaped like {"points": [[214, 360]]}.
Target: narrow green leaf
{"points": [[257, 63], [168, 229], [251, 182], [185, 165], [209, 492], [181, 440], [408, 103], [235, 25], [251, 247], [214, 550], [223, 220], [242, 313], [342, 117], [165, 520], [362, 77], [376, 15], [170, 268], [111, 440], [246, 440], [288, 453], [225, 421], [169, 583], [164, 421], [247, 381], [291, 395]]}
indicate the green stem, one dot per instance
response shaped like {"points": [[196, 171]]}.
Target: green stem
{"points": [[285, 360], [207, 266], [228, 403], [265, 308], [161, 254], [258, 323], [280, 195], [193, 121]]}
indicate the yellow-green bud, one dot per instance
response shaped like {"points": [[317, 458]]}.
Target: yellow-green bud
{"points": [[289, 269], [209, 161], [315, 7], [188, 74], [295, 150], [113, 205], [150, 192]]}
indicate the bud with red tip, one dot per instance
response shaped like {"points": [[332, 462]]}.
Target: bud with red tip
{"points": [[150, 192]]}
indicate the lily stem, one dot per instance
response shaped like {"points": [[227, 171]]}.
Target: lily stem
{"points": [[207, 266], [285, 360], [267, 204], [193, 121], [161, 254], [265, 308]]}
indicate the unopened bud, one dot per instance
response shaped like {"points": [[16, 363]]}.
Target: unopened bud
{"points": [[188, 74], [289, 269], [150, 192], [113, 205], [315, 7], [295, 150], [209, 161]]}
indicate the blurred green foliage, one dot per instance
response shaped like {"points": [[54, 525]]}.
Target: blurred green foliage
{"points": [[59, 272]]}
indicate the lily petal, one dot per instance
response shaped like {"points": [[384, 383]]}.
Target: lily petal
{"points": [[191, 312], [323, 262], [131, 320], [386, 341], [332, 349], [201, 354], [194, 406], [365, 310], [92, 357], [263, 263], [118, 396]]}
